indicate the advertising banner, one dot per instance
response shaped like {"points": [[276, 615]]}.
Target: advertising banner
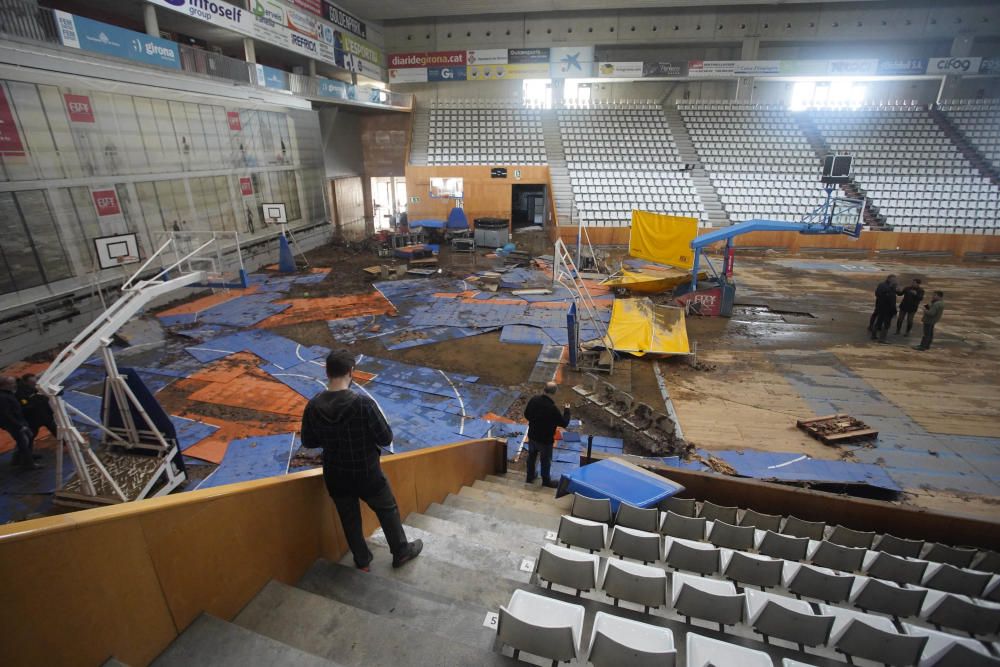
{"points": [[221, 14], [486, 57], [853, 67], [269, 9], [628, 70], [757, 67], [314, 6], [906, 66], [80, 33], [707, 68], [106, 202], [664, 69], [523, 56], [408, 75], [79, 108], [571, 61], [246, 186], [446, 74], [270, 77], [362, 49], [515, 71], [990, 66], [950, 65], [339, 17], [302, 22], [10, 138], [332, 88], [353, 63], [665, 239], [427, 59], [233, 118]]}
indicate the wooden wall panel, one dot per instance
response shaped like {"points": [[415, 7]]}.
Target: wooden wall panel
{"points": [[484, 196], [123, 581]]}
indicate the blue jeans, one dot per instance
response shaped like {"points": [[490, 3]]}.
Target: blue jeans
{"points": [[534, 449]]}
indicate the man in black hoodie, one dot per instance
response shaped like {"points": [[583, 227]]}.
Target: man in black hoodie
{"points": [[12, 420], [543, 417], [352, 431]]}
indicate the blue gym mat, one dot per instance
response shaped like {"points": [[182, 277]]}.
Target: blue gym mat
{"points": [[253, 458], [191, 432], [618, 483]]}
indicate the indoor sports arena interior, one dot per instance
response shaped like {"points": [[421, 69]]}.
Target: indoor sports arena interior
{"points": [[753, 248]]}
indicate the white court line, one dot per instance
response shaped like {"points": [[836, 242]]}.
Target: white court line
{"points": [[296, 375], [212, 349], [787, 463], [461, 403], [298, 346], [208, 478], [291, 448]]}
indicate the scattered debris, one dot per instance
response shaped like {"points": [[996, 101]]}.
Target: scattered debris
{"points": [[716, 464], [834, 429]]}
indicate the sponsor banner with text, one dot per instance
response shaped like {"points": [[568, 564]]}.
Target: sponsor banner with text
{"points": [[904, 66], [950, 65], [408, 75], [10, 138], [353, 63], [486, 57], [302, 22], [427, 59], [79, 108], [87, 35], [364, 50], [233, 118], [990, 66], [446, 73], [106, 202], [612, 70], [525, 56], [712, 68], [246, 186], [664, 68], [513, 71], [340, 18], [853, 67], [314, 6], [332, 88]]}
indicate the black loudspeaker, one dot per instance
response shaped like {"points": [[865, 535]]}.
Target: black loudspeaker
{"points": [[837, 169]]}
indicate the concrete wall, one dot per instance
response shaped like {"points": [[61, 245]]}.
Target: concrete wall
{"points": [[384, 141], [341, 136]]}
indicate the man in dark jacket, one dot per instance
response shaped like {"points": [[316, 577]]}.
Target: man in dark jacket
{"points": [[352, 431], [12, 420], [885, 308], [932, 315], [35, 405], [913, 294], [543, 418]]}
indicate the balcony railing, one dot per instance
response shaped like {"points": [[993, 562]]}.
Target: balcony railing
{"points": [[24, 19]]}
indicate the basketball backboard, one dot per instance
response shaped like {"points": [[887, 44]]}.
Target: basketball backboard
{"points": [[274, 213]]}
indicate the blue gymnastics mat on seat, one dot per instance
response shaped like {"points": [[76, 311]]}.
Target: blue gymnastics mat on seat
{"points": [[618, 482]]}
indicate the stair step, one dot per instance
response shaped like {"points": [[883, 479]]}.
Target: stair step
{"points": [[462, 552], [534, 493], [502, 511], [352, 636], [391, 598], [526, 539], [504, 499], [212, 641], [518, 544]]}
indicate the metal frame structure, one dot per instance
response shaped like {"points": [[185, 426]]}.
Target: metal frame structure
{"points": [[565, 273], [821, 220], [92, 473]]}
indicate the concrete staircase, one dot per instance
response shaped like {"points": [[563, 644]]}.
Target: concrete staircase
{"points": [[429, 612], [716, 215], [420, 135], [852, 188], [558, 172]]}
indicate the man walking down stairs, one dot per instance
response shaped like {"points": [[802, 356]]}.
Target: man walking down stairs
{"points": [[430, 612]]}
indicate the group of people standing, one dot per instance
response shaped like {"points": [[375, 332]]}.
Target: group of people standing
{"points": [[913, 294], [23, 412]]}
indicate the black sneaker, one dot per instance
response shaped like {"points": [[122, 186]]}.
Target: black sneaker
{"points": [[413, 550], [550, 484]]}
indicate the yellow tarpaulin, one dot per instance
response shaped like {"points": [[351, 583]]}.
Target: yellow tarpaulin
{"points": [[639, 327], [665, 239]]}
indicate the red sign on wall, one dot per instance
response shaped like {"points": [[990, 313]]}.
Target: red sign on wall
{"points": [[80, 110], [314, 6], [234, 121], [706, 302], [10, 140], [106, 202], [246, 187]]}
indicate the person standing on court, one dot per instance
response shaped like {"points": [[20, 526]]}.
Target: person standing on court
{"points": [[913, 294], [12, 420], [543, 418], [932, 315], [885, 308], [35, 405], [352, 432]]}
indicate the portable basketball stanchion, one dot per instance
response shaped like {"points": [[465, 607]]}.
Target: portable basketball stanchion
{"points": [[275, 214], [113, 477], [565, 273]]}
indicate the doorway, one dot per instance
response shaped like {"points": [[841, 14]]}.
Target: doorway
{"points": [[388, 201], [527, 206]]}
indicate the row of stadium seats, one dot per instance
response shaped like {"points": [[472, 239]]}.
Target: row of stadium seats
{"points": [[856, 615], [979, 123], [485, 136], [648, 173]]}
